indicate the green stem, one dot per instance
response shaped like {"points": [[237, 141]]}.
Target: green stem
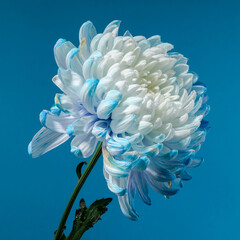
{"points": [[77, 189]]}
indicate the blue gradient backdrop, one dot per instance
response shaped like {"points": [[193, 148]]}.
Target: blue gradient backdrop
{"points": [[34, 192]]}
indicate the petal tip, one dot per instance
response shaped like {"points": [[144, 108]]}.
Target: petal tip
{"points": [[70, 130], [77, 152], [43, 117]]}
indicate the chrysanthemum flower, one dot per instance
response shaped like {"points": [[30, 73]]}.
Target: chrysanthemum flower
{"points": [[137, 98]]}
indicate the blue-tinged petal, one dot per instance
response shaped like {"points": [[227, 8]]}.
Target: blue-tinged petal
{"points": [[127, 34], [181, 69], [141, 186], [64, 102], [113, 27], [150, 151], [127, 201], [127, 107], [86, 34], [205, 98], [121, 162], [168, 156], [184, 155], [110, 167], [154, 40], [200, 90], [95, 41], [89, 66], [82, 125], [139, 38], [204, 110], [197, 135], [195, 78], [61, 49], [54, 122], [117, 146], [44, 141], [100, 129], [108, 104], [159, 173], [197, 106], [174, 166], [131, 156], [160, 187], [127, 210], [159, 139], [194, 162], [87, 94], [83, 145], [116, 189], [200, 83], [134, 138], [57, 80], [103, 86], [179, 145], [55, 110], [106, 107], [106, 43], [71, 82], [74, 61], [184, 175], [144, 45], [141, 163], [165, 47], [122, 125], [198, 140]]}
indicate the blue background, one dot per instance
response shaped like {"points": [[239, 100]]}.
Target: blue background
{"points": [[34, 192]]}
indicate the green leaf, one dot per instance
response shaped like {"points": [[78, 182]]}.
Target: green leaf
{"points": [[79, 168], [85, 217]]}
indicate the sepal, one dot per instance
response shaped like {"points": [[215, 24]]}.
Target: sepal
{"points": [[86, 217]]}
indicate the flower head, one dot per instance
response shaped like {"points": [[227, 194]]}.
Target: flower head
{"points": [[137, 98]]}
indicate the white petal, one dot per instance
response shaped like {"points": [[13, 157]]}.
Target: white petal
{"points": [[83, 145], [44, 141], [61, 49]]}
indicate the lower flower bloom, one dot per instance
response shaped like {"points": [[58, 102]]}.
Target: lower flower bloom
{"points": [[137, 98]]}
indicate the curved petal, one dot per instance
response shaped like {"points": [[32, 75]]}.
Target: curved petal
{"points": [[159, 173], [74, 61], [64, 102], [82, 125], [87, 94], [109, 103], [141, 186], [160, 187], [122, 125], [100, 129], [195, 162], [87, 33], [141, 163], [90, 65], [112, 167], [115, 184], [154, 40], [54, 122], [127, 201], [61, 49], [44, 141], [112, 27], [83, 145], [117, 146], [70, 83]]}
